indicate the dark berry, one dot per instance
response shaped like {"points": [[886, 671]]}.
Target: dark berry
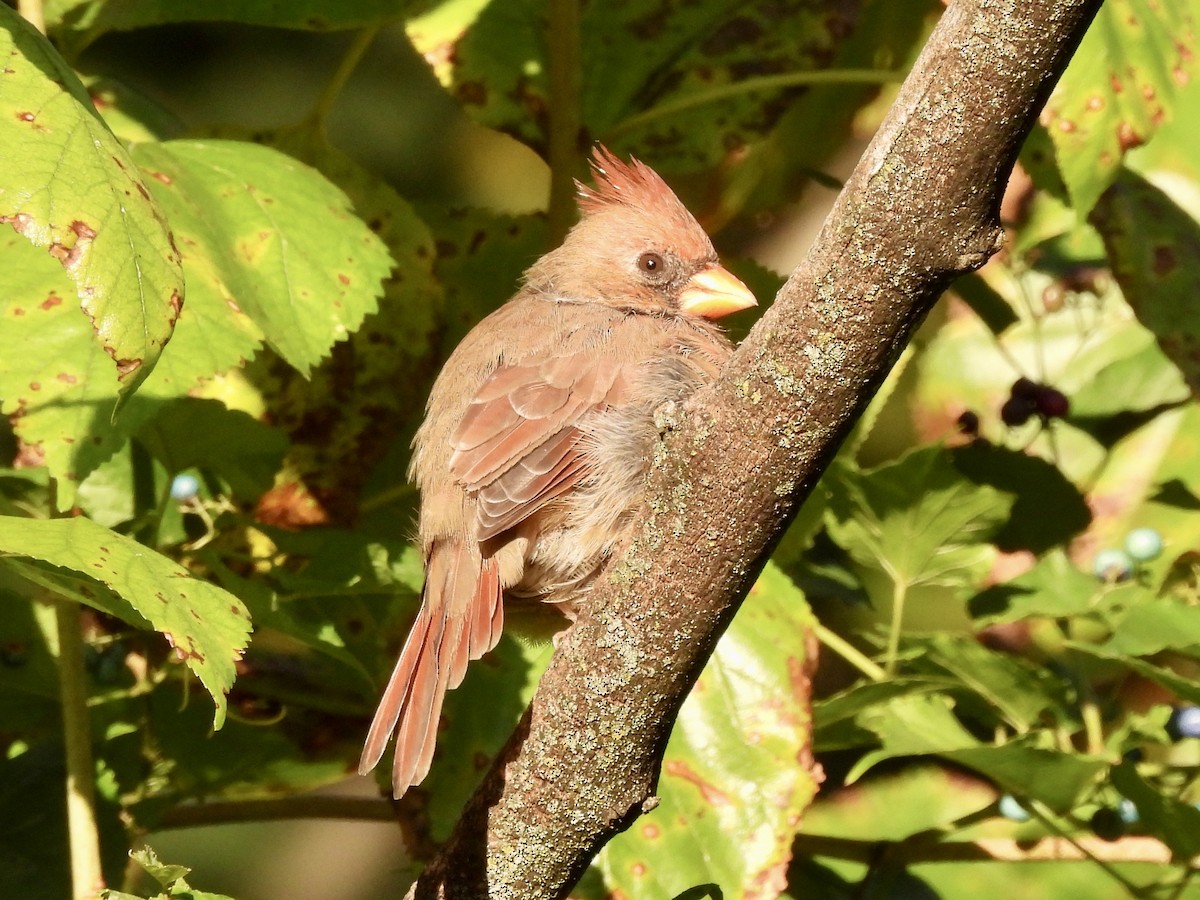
{"points": [[1052, 403], [1017, 411], [1026, 388], [1107, 824]]}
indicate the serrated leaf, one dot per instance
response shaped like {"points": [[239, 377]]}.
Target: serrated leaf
{"points": [[734, 779], [917, 519], [207, 626], [68, 185], [1119, 88], [1155, 624], [56, 383], [274, 237], [1054, 588], [1154, 248], [353, 394], [926, 726]]}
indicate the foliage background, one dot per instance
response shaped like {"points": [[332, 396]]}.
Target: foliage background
{"points": [[960, 559]]}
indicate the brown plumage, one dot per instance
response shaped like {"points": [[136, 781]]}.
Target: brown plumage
{"points": [[538, 433]]}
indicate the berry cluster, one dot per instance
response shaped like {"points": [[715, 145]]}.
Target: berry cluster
{"points": [[1027, 399], [1141, 545]]}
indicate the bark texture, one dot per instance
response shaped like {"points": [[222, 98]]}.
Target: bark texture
{"points": [[735, 462]]}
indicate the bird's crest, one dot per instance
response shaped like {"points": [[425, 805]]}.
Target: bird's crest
{"points": [[620, 183]]}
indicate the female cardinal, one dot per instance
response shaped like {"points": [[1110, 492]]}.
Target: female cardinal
{"points": [[539, 430]]}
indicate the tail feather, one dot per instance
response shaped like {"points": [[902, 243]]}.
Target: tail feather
{"points": [[458, 621]]}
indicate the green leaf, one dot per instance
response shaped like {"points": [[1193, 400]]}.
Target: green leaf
{"points": [[1120, 87], [918, 520], [736, 774], [190, 432], [1020, 693], [273, 238], [1154, 248], [1054, 588], [897, 806], [832, 715], [55, 381], [34, 846], [79, 22], [926, 726], [1187, 689], [207, 626], [68, 185], [1153, 625], [1178, 824]]}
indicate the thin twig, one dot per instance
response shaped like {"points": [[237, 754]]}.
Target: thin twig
{"points": [[358, 48], [566, 115], [87, 877], [749, 86]]}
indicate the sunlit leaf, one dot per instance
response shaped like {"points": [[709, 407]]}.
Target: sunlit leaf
{"points": [[207, 627], [69, 186]]}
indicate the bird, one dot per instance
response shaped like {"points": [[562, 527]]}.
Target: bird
{"points": [[540, 429]]}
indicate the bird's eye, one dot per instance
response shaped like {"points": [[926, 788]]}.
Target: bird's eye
{"points": [[650, 263]]}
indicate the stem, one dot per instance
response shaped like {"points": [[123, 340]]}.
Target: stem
{"points": [[31, 11], [899, 594], [1092, 725], [87, 878], [751, 85], [1046, 817], [565, 114], [350, 808], [849, 653], [358, 48]]}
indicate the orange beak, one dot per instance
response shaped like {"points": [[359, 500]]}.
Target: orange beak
{"points": [[714, 292]]}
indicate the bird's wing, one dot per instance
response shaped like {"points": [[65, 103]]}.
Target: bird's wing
{"points": [[519, 445]]}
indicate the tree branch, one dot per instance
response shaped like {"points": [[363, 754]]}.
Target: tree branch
{"points": [[737, 460]]}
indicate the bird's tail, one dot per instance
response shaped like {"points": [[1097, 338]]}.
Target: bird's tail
{"points": [[460, 619]]}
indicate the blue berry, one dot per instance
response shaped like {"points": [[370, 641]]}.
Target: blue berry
{"points": [[1184, 722], [1143, 544], [1128, 811], [184, 487], [1013, 810], [1112, 565]]}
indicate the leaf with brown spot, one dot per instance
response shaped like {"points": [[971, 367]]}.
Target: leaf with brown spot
{"points": [[738, 771], [1154, 248], [1120, 87], [208, 627], [271, 234], [67, 184]]}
